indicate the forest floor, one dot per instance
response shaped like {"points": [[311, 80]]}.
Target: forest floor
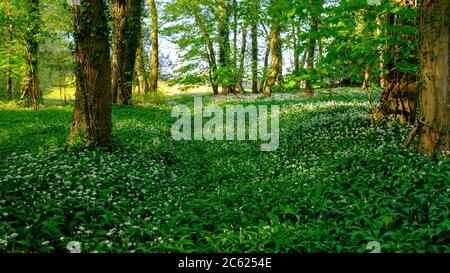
{"points": [[334, 184]]}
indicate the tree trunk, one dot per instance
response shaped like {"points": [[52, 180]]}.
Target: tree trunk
{"points": [[254, 34], [210, 52], [224, 46], [140, 68], [91, 122], [30, 86], [265, 62], [434, 51], [235, 23], [382, 75], [9, 87], [280, 68], [275, 66], [210, 73], [303, 60], [365, 84], [398, 99], [296, 45], [319, 58], [309, 90], [154, 63], [379, 21], [240, 86], [126, 29]]}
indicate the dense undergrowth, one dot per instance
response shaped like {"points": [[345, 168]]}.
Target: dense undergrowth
{"points": [[334, 184]]}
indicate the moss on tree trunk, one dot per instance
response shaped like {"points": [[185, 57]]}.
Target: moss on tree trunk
{"points": [[91, 122], [126, 30]]}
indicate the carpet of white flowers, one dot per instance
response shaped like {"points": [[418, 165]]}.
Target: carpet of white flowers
{"points": [[335, 183]]}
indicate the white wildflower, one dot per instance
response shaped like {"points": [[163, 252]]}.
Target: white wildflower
{"points": [[74, 247]]}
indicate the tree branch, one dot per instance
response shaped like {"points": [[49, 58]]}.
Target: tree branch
{"points": [[413, 132]]}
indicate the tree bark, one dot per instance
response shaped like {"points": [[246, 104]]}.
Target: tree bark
{"points": [[275, 66], [126, 29], [434, 51], [91, 122], [31, 92], [154, 63]]}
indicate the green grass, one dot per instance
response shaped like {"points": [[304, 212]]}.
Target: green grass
{"points": [[334, 184]]}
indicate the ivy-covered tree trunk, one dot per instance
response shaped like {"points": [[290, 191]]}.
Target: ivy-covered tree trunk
{"points": [[31, 92], [154, 63], [91, 122], [434, 51], [275, 66], [398, 98], [254, 37], [126, 29]]}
